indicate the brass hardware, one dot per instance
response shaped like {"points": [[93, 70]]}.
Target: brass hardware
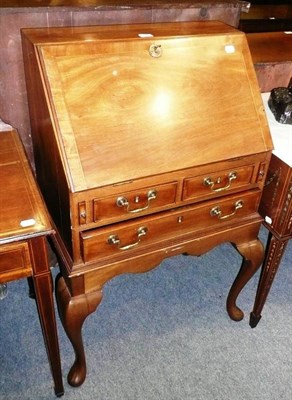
{"points": [[115, 240], [155, 50], [217, 212], [209, 182], [124, 202], [180, 219], [262, 172], [82, 212]]}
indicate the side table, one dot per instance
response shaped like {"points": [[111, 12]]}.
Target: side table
{"points": [[276, 208], [24, 228]]}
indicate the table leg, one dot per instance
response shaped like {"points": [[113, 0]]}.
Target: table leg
{"points": [[253, 254], [43, 288], [274, 252], [73, 311]]}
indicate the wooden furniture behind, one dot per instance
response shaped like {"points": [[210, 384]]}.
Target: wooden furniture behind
{"points": [[272, 55], [150, 141], [18, 14], [24, 227], [267, 16]]}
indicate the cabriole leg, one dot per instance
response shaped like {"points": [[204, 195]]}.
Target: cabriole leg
{"points": [[253, 254], [73, 311]]}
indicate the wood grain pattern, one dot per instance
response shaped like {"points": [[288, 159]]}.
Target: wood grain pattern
{"points": [[15, 14], [166, 226], [109, 120], [109, 95], [25, 203]]}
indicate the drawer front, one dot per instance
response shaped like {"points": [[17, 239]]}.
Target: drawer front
{"points": [[14, 261], [218, 183], [134, 202], [126, 237]]}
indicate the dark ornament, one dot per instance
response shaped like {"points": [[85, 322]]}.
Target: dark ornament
{"points": [[280, 103]]}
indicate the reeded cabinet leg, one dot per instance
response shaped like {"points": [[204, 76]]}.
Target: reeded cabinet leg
{"points": [[73, 311], [274, 251], [253, 254]]}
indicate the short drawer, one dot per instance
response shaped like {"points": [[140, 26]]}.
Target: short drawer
{"points": [[129, 236], [217, 183], [14, 261], [134, 202]]}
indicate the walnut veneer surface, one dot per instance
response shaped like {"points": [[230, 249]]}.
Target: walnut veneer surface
{"points": [[150, 141], [24, 227]]}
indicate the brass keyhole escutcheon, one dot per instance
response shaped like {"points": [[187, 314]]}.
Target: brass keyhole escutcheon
{"points": [[155, 50]]}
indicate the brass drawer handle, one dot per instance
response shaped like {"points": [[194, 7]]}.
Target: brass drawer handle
{"points": [[217, 212], [208, 182], [114, 239], [124, 202]]}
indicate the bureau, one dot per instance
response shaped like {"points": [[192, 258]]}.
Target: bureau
{"points": [[150, 140]]}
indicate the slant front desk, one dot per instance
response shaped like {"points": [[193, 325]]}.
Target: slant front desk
{"points": [[150, 141], [17, 14]]}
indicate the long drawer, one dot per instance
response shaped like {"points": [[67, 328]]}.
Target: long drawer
{"points": [[122, 238]]}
